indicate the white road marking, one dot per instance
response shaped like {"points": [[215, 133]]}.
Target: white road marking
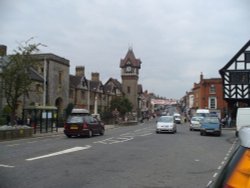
{"points": [[145, 134], [11, 145], [209, 183], [215, 174], [60, 152], [6, 166]]}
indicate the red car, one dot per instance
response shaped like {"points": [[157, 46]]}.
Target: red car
{"points": [[87, 125]]}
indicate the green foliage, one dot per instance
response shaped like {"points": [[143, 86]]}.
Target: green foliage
{"points": [[16, 77], [122, 104], [69, 109]]}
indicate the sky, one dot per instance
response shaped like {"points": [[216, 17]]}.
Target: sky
{"points": [[176, 40]]}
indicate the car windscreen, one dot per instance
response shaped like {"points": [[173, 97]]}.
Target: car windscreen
{"points": [[75, 119], [211, 120], [166, 119]]}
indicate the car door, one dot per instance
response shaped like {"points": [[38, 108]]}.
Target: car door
{"points": [[93, 123]]}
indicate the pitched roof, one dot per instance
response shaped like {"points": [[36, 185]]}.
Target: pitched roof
{"points": [[111, 83], [130, 56], [236, 56]]}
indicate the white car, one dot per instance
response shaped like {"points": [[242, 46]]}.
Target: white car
{"points": [[166, 124], [177, 118], [195, 123]]}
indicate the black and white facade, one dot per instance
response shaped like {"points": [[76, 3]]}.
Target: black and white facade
{"points": [[236, 77]]}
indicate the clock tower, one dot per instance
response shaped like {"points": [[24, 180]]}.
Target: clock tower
{"points": [[130, 74]]}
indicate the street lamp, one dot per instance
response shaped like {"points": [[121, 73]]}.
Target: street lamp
{"points": [[88, 82]]}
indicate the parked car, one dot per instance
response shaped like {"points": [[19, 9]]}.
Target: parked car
{"points": [[166, 124], [195, 123], [177, 118], [235, 173], [83, 125], [210, 125]]}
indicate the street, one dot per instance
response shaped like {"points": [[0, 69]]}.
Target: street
{"points": [[125, 157]]}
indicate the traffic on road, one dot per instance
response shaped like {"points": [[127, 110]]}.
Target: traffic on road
{"points": [[126, 156]]}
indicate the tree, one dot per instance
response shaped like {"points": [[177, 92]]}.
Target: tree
{"points": [[16, 77], [121, 104]]}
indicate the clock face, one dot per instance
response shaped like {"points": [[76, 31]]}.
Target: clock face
{"points": [[128, 69]]}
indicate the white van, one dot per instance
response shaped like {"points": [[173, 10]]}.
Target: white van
{"points": [[242, 118], [202, 112]]}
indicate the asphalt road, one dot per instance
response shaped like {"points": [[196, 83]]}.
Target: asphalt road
{"points": [[125, 157]]}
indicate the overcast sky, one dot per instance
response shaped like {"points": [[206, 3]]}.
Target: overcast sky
{"points": [[176, 40]]}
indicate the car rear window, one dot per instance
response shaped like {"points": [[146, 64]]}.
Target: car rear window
{"points": [[75, 119]]}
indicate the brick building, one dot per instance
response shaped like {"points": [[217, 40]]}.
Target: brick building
{"points": [[208, 94]]}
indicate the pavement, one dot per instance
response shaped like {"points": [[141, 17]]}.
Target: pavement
{"points": [[60, 131]]}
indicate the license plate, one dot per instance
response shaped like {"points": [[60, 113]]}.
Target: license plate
{"points": [[74, 127], [210, 131]]}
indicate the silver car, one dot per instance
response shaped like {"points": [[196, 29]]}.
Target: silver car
{"points": [[166, 124], [195, 123]]}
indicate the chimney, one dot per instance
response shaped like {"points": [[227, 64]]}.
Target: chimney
{"points": [[80, 71], [3, 50], [95, 76], [201, 76]]}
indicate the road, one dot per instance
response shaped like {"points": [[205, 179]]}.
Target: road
{"points": [[125, 157]]}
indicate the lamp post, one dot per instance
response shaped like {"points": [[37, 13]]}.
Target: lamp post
{"points": [[96, 107], [88, 95], [44, 82]]}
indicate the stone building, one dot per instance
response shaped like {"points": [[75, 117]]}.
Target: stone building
{"points": [[91, 94], [50, 84], [130, 66], [55, 89]]}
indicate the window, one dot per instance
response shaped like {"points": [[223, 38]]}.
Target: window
{"points": [[60, 76], [82, 94], [212, 103], [38, 88], [247, 56], [71, 93], [212, 89], [128, 89], [239, 77]]}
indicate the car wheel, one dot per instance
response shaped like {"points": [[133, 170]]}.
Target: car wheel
{"points": [[102, 132], [157, 132], [69, 136], [191, 129], [90, 134], [201, 133], [236, 133], [219, 133]]}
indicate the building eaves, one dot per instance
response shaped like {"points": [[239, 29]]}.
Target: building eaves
{"points": [[53, 57]]}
